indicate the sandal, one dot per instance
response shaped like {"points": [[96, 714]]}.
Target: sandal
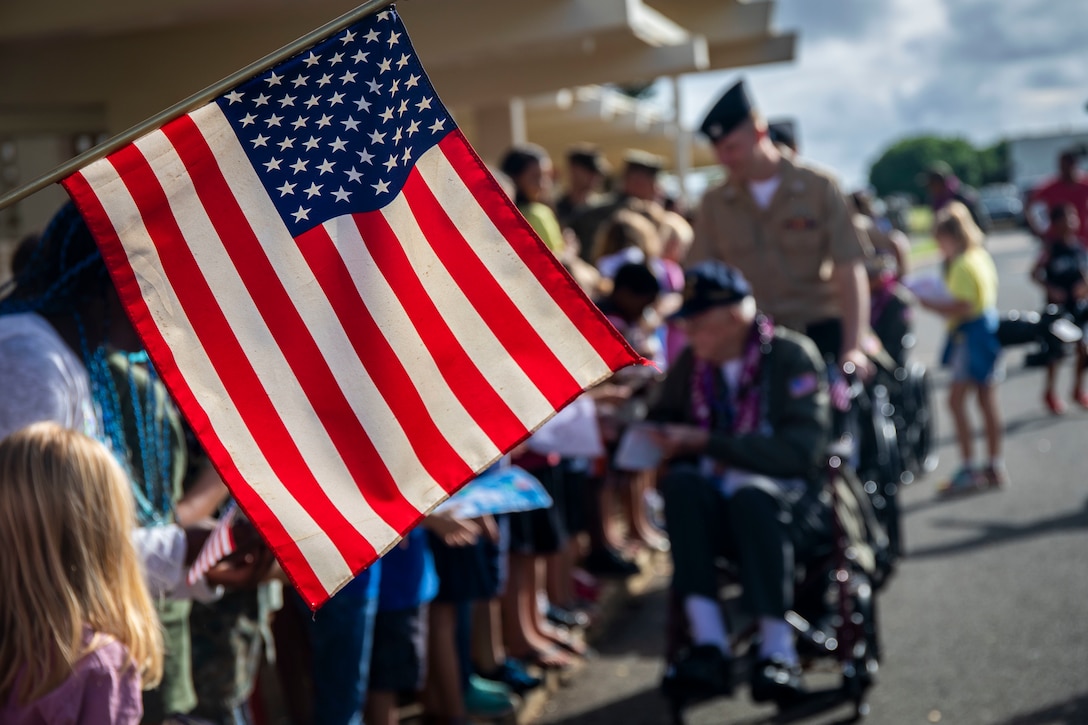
{"points": [[549, 658]]}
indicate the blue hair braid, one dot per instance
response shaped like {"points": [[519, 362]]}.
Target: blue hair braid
{"points": [[50, 282]]}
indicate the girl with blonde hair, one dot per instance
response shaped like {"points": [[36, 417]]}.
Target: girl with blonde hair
{"points": [[972, 350], [78, 633]]}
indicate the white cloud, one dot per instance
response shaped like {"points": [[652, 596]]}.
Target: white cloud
{"points": [[870, 72]]}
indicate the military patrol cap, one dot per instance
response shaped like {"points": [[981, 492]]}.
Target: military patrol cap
{"points": [[732, 109], [939, 170], [589, 157], [711, 284], [643, 161], [783, 134]]}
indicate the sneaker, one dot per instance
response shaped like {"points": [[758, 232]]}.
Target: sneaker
{"points": [[1055, 406], [488, 700], [1080, 398], [569, 618], [964, 481], [699, 673], [995, 477], [773, 680], [514, 675], [607, 563]]}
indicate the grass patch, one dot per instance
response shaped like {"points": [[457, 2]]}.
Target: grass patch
{"points": [[920, 221], [922, 246]]}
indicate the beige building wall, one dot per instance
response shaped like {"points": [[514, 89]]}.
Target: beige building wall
{"points": [[78, 68]]}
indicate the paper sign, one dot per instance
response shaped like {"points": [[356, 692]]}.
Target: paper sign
{"points": [[928, 287], [573, 432], [637, 450], [499, 492]]}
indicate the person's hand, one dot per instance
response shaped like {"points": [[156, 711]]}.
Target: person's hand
{"points": [[606, 393], [452, 531], [250, 562], [679, 440], [242, 569], [856, 362], [195, 536], [489, 527]]}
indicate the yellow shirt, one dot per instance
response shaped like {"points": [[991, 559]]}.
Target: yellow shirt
{"points": [[542, 219], [972, 277]]}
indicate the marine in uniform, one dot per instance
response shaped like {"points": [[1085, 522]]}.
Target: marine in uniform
{"points": [[788, 228], [743, 419], [638, 184]]}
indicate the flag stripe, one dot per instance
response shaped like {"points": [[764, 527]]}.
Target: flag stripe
{"points": [[289, 331], [293, 410], [422, 281], [371, 378], [492, 303], [466, 401], [229, 358], [175, 345], [508, 230]]}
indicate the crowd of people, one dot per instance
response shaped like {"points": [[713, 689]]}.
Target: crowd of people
{"points": [[778, 291]]}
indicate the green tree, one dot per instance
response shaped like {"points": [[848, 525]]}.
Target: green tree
{"points": [[898, 168], [994, 161]]}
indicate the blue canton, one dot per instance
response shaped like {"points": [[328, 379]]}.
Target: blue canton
{"points": [[336, 129]]}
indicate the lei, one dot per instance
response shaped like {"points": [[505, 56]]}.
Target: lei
{"points": [[737, 414]]}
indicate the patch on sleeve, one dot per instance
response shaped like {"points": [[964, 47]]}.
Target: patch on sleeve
{"points": [[804, 384]]}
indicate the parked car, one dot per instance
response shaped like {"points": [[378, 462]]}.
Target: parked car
{"points": [[1003, 204]]}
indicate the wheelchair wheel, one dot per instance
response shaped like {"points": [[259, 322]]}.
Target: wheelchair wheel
{"points": [[880, 466], [918, 400], [859, 671]]}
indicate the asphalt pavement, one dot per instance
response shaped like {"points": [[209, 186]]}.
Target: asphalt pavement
{"points": [[985, 621]]}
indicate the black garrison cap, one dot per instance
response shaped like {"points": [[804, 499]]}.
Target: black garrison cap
{"points": [[732, 109], [711, 284], [783, 133]]}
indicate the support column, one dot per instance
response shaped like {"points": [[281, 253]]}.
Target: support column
{"points": [[498, 127], [683, 144]]}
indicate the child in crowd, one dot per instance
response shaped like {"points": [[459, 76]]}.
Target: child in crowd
{"points": [[398, 660], [530, 169], [889, 307], [468, 561], [973, 349], [1062, 270], [80, 634]]}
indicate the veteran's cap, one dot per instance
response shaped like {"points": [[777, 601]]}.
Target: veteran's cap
{"points": [[711, 284], [732, 109]]}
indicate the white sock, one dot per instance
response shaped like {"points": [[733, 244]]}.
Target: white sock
{"points": [[776, 640], [705, 620]]}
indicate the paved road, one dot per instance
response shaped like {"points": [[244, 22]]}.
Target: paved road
{"points": [[986, 619]]}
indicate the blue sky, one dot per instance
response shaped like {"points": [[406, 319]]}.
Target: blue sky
{"points": [[869, 72]]}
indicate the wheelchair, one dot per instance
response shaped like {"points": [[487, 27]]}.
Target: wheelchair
{"points": [[1049, 331], [895, 430], [835, 609]]}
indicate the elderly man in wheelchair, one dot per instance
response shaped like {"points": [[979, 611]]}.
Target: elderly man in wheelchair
{"points": [[743, 421]]}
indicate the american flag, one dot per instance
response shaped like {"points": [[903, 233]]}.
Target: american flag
{"points": [[220, 545], [348, 310]]}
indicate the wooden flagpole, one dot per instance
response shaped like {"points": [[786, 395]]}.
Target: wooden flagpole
{"points": [[369, 7]]}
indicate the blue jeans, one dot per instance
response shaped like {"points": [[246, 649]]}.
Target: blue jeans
{"points": [[341, 635]]}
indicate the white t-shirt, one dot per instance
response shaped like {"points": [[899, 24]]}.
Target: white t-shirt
{"points": [[763, 191], [41, 378]]}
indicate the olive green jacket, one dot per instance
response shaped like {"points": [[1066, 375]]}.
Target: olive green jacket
{"points": [[795, 417]]}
